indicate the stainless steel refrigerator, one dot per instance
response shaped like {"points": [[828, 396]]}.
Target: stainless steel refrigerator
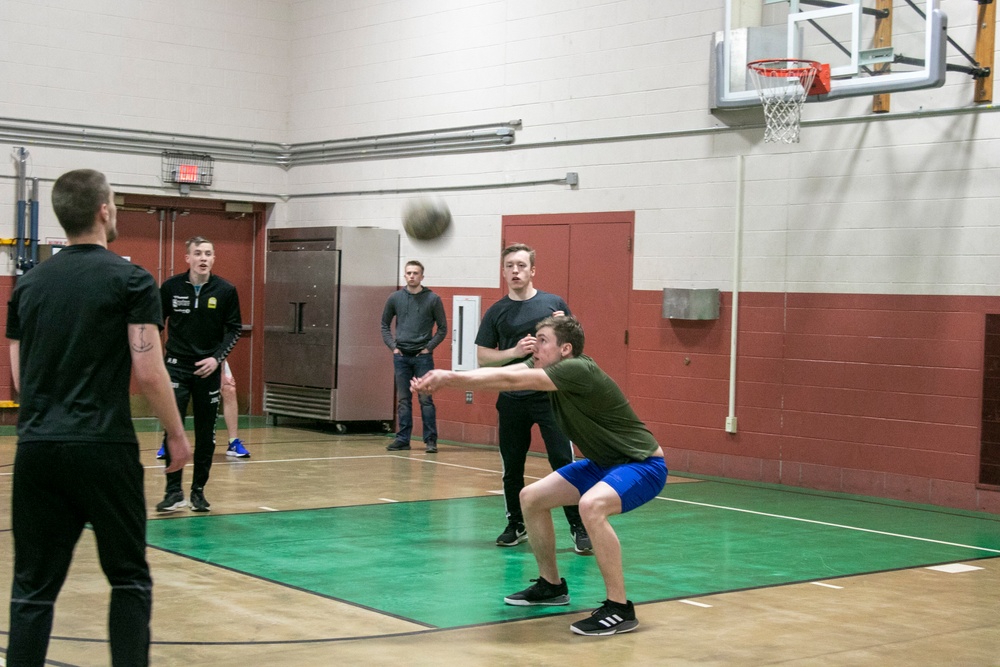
{"points": [[323, 353]]}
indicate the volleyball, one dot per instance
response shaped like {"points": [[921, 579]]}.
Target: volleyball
{"points": [[426, 219]]}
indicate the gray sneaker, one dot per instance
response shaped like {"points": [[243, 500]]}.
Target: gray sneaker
{"points": [[198, 502], [581, 541], [540, 593], [173, 501]]}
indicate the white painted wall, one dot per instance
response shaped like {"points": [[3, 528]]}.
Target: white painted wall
{"points": [[616, 90], [213, 68]]}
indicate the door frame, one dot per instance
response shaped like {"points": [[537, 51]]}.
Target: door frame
{"points": [[252, 307]]}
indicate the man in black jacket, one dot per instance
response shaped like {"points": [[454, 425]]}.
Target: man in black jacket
{"points": [[202, 312], [416, 310]]}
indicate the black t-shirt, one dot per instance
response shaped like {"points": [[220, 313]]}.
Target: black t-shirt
{"points": [[508, 321], [71, 315]]}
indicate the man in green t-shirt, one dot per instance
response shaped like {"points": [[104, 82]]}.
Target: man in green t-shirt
{"points": [[624, 467]]}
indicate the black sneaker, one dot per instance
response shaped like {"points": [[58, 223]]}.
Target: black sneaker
{"points": [[172, 501], [581, 541], [198, 502], [610, 619], [432, 448], [398, 446], [512, 535], [541, 593]]}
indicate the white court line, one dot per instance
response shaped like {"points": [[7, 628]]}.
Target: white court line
{"points": [[245, 462], [343, 458], [954, 568], [696, 604], [820, 583], [832, 525]]}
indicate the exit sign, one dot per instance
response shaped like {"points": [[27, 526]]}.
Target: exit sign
{"points": [[187, 173]]}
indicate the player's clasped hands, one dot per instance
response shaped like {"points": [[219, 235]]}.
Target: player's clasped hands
{"points": [[429, 382], [526, 346]]}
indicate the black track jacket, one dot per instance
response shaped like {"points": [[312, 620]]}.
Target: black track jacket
{"points": [[202, 326]]}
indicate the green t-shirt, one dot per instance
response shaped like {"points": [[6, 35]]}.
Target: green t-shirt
{"points": [[591, 409]]}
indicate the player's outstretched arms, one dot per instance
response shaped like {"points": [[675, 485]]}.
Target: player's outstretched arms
{"points": [[516, 377]]}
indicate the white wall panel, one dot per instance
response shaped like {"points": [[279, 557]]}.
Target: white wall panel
{"points": [[185, 66]]}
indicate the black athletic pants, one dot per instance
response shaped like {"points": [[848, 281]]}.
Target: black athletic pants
{"points": [[58, 487], [516, 417], [204, 394]]}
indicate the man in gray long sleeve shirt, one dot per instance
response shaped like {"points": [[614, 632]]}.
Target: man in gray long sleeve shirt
{"points": [[416, 310]]}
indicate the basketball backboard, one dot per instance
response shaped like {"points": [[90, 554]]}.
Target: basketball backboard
{"points": [[872, 46]]}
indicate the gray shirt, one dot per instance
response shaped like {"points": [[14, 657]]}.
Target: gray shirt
{"points": [[416, 315]]}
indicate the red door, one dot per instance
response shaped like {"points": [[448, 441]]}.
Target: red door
{"points": [[587, 260], [156, 241], [600, 282]]}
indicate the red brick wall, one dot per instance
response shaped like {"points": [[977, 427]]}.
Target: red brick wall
{"points": [[869, 394]]}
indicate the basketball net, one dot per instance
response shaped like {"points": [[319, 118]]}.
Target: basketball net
{"points": [[783, 86]]}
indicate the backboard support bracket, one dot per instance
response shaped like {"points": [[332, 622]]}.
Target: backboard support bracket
{"points": [[986, 25]]}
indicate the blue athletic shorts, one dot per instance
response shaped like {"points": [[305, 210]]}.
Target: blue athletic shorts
{"points": [[636, 483]]}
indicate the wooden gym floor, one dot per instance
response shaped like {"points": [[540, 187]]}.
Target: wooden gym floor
{"points": [[326, 549]]}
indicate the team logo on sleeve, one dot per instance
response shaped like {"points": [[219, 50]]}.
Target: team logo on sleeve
{"points": [[212, 302]]}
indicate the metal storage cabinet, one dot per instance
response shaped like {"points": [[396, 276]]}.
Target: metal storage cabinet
{"points": [[323, 353]]}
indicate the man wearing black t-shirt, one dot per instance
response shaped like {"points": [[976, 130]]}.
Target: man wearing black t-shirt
{"points": [[506, 336], [80, 324], [203, 324]]}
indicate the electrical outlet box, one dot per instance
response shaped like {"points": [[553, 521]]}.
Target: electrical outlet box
{"points": [[468, 397], [730, 424]]}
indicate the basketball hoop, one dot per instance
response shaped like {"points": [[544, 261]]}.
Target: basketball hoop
{"points": [[783, 85]]}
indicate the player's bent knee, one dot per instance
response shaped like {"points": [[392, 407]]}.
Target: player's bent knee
{"points": [[599, 506], [534, 498], [527, 497]]}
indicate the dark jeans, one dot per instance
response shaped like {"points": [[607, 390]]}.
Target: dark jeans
{"points": [[205, 394], [58, 487], [407, 368], [516, 417]]}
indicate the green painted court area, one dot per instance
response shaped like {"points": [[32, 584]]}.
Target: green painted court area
{"points": [[435, 563]]}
